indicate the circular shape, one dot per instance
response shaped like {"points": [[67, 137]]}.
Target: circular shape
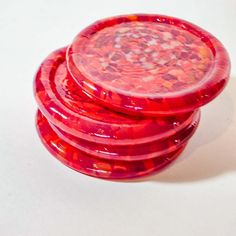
{"points": [[148, 64], [143, 58], [96, 167], [135, 151], [66, 106]]}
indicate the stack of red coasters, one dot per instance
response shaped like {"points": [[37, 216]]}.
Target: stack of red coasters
{"points": [[122, 100]]}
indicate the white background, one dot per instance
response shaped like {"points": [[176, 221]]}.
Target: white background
{"points": [[41, 197]]}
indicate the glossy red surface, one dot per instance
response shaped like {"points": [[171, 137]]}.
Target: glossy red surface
{"points": [[66, 106], [134, 151], [122, 101], [148, 64], [97, 167]]}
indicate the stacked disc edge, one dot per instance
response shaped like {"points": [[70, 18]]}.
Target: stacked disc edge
{"points": [[122, 101]]}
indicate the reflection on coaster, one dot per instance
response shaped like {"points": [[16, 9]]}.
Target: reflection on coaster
{"points": [[97, 167], [66, 106], [134, 151]]}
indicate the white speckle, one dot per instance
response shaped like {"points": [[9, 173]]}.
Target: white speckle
{"points": [[175, 43], [104, 64], [148, 78], [153, 72], [162, 62], [155, 36], [152, 42], [166, 46], [128, 56], [117, 46], [117, 39], [143, 34], [154, 54], [110, 55], [136, 36], [143, 59], [167, 35], [137, 51], [172, 56], [148, 50], [148, 65], [123, 30]]}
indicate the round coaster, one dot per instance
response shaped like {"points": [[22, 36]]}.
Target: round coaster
{"points": [[66, 106], [97, 167], [148, 64], [134, 151]]}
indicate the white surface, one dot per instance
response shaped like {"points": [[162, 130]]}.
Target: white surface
{"points": [[41, 197]]}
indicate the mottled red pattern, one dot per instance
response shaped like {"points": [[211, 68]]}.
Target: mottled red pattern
{"points": [[154, 71], [97, 167], [148, 64], [65, 105], [106, 144], [135, 151], [143, 58]]}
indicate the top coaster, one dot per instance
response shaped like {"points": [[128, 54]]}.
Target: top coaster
{"points": [[148, 64]]}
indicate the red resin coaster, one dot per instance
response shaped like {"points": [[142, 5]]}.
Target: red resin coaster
{"points": [[67, 107], [148, 64], [97, 167], [135, 151]]}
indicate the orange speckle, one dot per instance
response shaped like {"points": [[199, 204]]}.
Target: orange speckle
{"points": [[132, 17], [203, 52], [103, 166], [167, 84]]}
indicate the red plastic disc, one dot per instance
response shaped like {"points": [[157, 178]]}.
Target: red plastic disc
{"points": [[148, 64], [97, 167], [64, 104]]}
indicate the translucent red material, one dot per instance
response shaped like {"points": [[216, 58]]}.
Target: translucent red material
{"points": [[97, 167], [122, 101], [66, 106], [134, 151], [148, 64]]}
